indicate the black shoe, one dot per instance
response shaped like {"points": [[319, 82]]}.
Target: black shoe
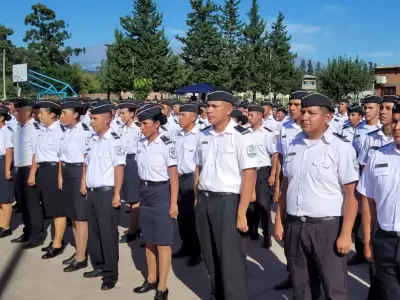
{"points": [[194, 261], [22, 239], [161, 295], [53, 252], [76, 265], [105, 286], [68, 261], [267, 242], [48, 247], [284, 285], [5, 232], [356, 260], [180, 253], [127, 238], [145, 287], [93, 274], [32, 244]]}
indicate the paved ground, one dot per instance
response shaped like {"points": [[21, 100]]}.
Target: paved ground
{"points": [[35, 279]]}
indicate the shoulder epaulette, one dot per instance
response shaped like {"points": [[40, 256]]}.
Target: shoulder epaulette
{"points": [[372, 132], [9, 128], [266, 128], [137, 124], [118, 122], [341, 137], [384, 146], [36, 125], [205, 128], [85, 127], [336, 120], [177, 122], [165, 139], [346, 126], [241, 129], [201, 122], [115, 136], [163, 128], [62, 127], [287, 121]]}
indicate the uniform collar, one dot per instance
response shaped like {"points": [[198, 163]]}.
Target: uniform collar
{"points": [[193, 131], [30, 122], [261, 128], [230, 129], [52, 126], [293, 124], [378, 125], [106, 136], [326, 137]]}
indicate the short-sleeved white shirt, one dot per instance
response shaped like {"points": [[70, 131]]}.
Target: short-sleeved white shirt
{"points": [[373, 140], [360, 133], [154, 159], [265, 141], [130, 136], [223, 156], [105, 154], [74, 143], [48, 145], [316, 174], [271, 124], [25, 141], [6, 139], [185, 148], [380, 181], [288, 132]]}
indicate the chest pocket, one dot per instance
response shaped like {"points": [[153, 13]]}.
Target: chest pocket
{"points": [[189, 150], [323, 169], [381, 177], [226, 152], [104, 160]]}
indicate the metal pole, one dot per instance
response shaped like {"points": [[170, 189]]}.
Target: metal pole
{"points": [[4, 74]]}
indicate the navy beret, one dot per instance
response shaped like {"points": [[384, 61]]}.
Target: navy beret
{"points": [[190, 107], [101, 107], [373, 99], [48, 104], [344, 100], [5, 113], [297, 94], [148, 111], [256, 108], [71, 104], [24, 102], [221, 94], [167, 102], [390, 98], [354, 108], [176, 102], [396, 108], [266, 103], [316, 99], [128, 104]]}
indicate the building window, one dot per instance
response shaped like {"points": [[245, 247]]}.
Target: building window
{"points": [[309, 82], [388, 91]]}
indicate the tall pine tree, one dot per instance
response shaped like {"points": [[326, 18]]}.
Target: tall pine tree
{"points": [[303, 67], [282, 63], [318, 68], [203, 45], [310, 68]]}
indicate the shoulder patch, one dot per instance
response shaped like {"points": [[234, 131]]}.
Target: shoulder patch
{"points": [[115, 136], [164, 128], [137, 124], [372, 132], [205, 128], [165, 139], [36, 125], [85, 127], [201, 122], [346, 126], [118, 122], [62, 127], [341, 137], [9, 128], [241, 129], [336, 120], [267, 129]]}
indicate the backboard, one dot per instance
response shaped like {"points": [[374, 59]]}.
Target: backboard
{"points": [[20, 73]]}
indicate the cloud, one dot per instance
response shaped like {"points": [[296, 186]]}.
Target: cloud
{"points": [[303, 47], [300, 29], [334, 8]]}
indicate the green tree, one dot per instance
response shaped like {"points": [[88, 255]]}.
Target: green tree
{"points": [[253, 55], [7, 46], [344, 75], [282, 63], [318, 68], [303, 67], [310, 68], [46, 38], [203, 46]]}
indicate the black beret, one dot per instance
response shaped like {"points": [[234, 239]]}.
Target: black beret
{"points": [[266, 103], [396, 108], [278, 105], [297, 94], [176, 102], [14, 99], [48, 104], [373, 99], [167, 102], [256, 108], [282, 109], [243, 105], [354, 108], [128, 104], [316, 99], [221, 94], [113, 106], [390, 98], [148, 111], [236, 113], [101, 107], [24, 102], [203, 105], [190, 107], [5, 113], [344, 100], [71, 104]]}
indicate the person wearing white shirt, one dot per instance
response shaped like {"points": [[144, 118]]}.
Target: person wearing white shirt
{"points": [[379, 187], [239, 118], [6, 180], [269, 120], [157, 163], [130, 135], [318, 202], [260, 209], [104, 175], [355, 113], [13, 123], [280, 117], [115, 122], [342, 111], [203, 114], [172, 124], [186, 141], [226, 159]]}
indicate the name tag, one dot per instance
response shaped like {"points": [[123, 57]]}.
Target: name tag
{"points": [[357, 135], [283, 136], [291, 153], [374, 147], [381, 166], [205, 142]]}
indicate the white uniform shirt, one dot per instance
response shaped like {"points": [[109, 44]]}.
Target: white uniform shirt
{"points": [[86, 119], [13, 123], [200, 124], [154, 159], [343, 119], [185, 148], [223, 156], [74, 143], [316, 172], [348, 131], [373, 140], [105, 154], [130, 136], [116, 125], [173, 127], [288, 132], [265, 141], [48, 145], [380, 181], [25, 140], [6, 139], [361, 132], [335, 125], [271, 124]]}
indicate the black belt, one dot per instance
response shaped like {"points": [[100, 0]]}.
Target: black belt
{"points": [[265, 167], [47, 164], [101, 189], [209, 194], [153, 183], [185, 175], [389, 233], [72, 165], [2, 156], [132, 155], [306, 219]]}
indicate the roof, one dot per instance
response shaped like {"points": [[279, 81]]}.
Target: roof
{"points": [[309, 77], [388, 67], [196, 88]]}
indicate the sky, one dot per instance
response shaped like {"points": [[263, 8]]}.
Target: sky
{"points": [[320, 29]]}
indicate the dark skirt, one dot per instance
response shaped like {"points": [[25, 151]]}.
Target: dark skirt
{"points": [[75, 204], [131, 184], [6, 186], [48, 192], [155, 222]]}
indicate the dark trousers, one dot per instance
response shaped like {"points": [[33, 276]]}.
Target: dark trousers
{"points": [[103, 246], [222, 245], [358, 236], [187, 217], [310, 249], [261, 209], [386, 250], [32, 213]]}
